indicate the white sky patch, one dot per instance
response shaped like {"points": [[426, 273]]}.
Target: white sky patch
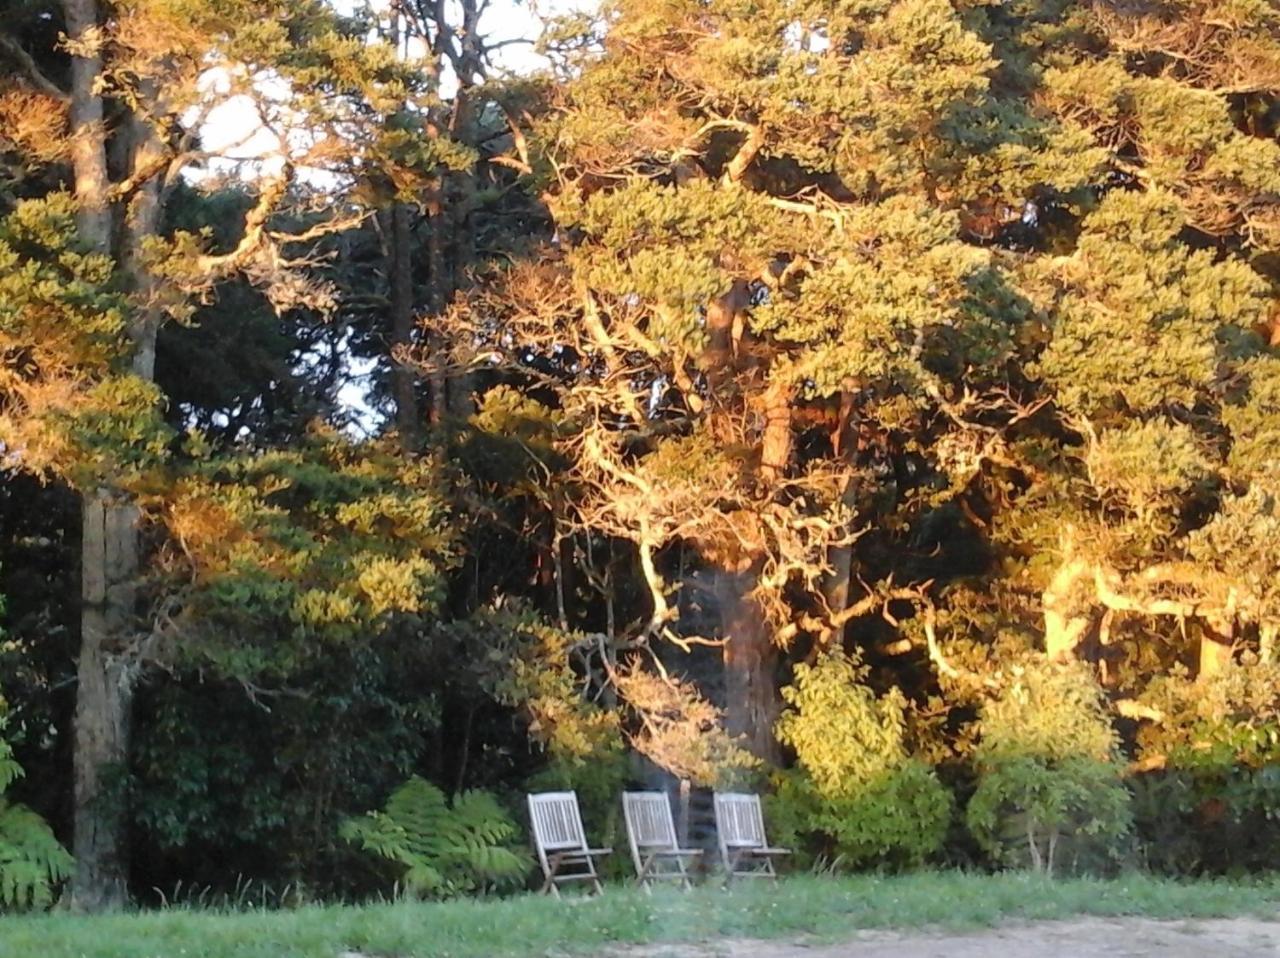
{"points": [[244, 143], [248, 145], [800, 37]]}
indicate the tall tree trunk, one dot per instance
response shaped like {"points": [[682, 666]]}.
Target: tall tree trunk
{"points": [[750, 657], [109, 567], [439, 292], [461, 387], [403, 379], [109, 545], [142, 222], [88, 134], [750, 665]]}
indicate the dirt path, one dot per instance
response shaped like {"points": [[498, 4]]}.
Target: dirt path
{"points": [[1076, 938]]}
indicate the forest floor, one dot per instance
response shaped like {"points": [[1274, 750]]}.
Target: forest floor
{"points": [[920, 915]]}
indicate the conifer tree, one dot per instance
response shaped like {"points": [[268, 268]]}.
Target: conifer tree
{"points": [[833, 276]]}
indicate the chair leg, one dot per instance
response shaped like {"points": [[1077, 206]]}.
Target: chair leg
{"points": [[595, 878], [549, 886], [730, 867], [642, 872]]}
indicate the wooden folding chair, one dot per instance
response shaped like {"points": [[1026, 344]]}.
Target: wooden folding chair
{"points": [[651, 832], [744, 850], [561, 841]]}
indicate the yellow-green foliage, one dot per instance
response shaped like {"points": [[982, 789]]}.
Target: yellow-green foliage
{"points": [[71, 408], [326, 542], [856, 788], [1049, 773], [1214, 725], [1254, 421], [1238, 555], [1137, 320], [1148, 468], [445, 848], [526, 664]]}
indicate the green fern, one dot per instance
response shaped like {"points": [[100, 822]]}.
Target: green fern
{"points": [[446, 849], [31, 860]]}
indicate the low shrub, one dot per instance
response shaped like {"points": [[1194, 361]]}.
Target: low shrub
{"points": [[856, 796], [1050, 796]]}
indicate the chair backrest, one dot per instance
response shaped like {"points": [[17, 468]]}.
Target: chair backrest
{"points": [[739, 822], [649, 821], [557, 824]]}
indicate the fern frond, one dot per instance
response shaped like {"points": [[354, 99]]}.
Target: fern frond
{"points": [[445, 849], [10, 770], [32, 861]]}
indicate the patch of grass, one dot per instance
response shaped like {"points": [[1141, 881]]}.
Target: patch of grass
{"points": [[527, 926]]}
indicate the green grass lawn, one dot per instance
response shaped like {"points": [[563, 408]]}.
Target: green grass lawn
{"points": [[535, 926]]}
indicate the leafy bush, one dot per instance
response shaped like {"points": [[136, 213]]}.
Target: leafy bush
{"points": [[1049, 786], [1212, 802], [445, 849], [32, 862], [856, 795]]}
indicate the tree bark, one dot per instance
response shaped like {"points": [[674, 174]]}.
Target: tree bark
{"points": [[775, 450], [461, 386], [109, 546], [88, 133], [104, 695], [749, 657], [1065, 624], [1215, 650], [403, 380], [439, 292], [750, 665], [142, 221]]}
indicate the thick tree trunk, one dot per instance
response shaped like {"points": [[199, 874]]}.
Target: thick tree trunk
{"points": [[109, 549], [775, 449], [750, 665], [750, 658], [109, 569]]}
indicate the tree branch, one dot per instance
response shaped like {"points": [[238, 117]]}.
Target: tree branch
{"points": [[23, 59]]}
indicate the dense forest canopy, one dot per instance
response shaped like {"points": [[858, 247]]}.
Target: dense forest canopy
{"points": [[873, 401]]}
